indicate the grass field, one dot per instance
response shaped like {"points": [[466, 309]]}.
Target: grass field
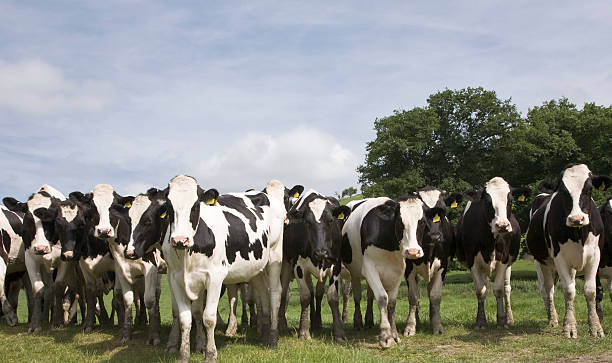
{"points": [[530, 339]]}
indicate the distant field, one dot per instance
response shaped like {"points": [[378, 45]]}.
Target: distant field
{"points": [[530, 339]]}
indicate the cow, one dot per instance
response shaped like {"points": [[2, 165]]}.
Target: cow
{"points": [[312, 243], [438, 248], [111, 217], [232, 238], [42, 255], [564, 237], [605, 262], [376, 239], [12, 261], [488, 239]]}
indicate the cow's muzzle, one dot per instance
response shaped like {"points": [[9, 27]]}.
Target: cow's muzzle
{"points": [[41, 250], [180, 242], [503, 227], [105, 232], [576, 221], [413, 253]]}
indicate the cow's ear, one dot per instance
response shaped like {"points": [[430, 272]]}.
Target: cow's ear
{"points": [[46, 214], [453, 200], [14, 205], [547, 186], [473, 195], [296, 191], [209, 197], [342, 212], [80, 197], [601, 182], [521, 193], [152, 192], [126, 201]]}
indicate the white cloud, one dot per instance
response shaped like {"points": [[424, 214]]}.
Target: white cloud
{"points": [[33, 87], [300, 156]]}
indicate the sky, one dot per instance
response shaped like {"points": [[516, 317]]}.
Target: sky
{"points": [[236, 93]]}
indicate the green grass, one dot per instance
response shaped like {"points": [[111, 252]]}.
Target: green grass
{"points": [[344, 201], [530, 339]]}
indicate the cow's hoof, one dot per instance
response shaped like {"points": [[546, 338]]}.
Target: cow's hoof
{"points": [[34, 330], [124, 339], [304, 335], [597, 332], [11, 318], [438, 330], [386, 342], [409, 331], [341, 339], [88, 329], [553, 323], [211, 356], [153, 341], [570, 332], [171, 349], [230, 332]]}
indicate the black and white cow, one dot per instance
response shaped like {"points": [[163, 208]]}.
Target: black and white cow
{"points": [[312, 243], [114, 220], [605, 261], [377, 238], [564, 238], [12, 260], [230, 239], [438, 248], [42, 255], [488, 239]]}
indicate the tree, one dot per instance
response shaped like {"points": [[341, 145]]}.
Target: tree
{"points": [[349, 192]]}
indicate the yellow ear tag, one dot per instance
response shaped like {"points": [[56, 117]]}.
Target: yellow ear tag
{"points": [[602, 187], [163, 215], [436, 218], [521, 198], [128, 205], [454, 204], [296, 195], [211, 202], [341, 216]]}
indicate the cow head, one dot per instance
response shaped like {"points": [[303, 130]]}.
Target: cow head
{"points": [[69, 223], [435, 204], [574, 190], [292, 195], [318, 220], [149, 223], [184, 197], [497, 197], [38, 235], [106, 212], [409, 226]]}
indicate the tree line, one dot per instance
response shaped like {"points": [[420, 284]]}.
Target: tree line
{"points": [[462, 138]]}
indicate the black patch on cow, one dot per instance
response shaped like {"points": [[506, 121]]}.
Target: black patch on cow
{"points": [[204, 239], [347, 252], [150, 258], [240, 206], [95, 246], [238, 240], [14, 221], [336, 284], [259, 200], [358, 204], [29, 229], [378, 227], [300, 274], [5, 246], [264, 240]]}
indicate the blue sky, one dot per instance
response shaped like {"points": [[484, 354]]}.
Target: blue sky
{"points": [[132, 93]]}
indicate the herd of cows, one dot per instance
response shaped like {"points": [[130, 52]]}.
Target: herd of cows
{"points": [[71, 251]]}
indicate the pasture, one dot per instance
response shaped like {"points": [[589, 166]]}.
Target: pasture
{"points": [[530, 339]]}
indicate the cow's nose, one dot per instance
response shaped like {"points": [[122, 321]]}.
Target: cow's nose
{"points": [[41, 250], [129, 253], [576, 220], [321, 254], [503, 227], [413, 253], [105, 232], [180, 241]]}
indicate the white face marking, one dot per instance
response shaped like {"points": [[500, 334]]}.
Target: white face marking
{"points": [[499, 189], [103, 199], [139, 206], [574, 179], [317, 207], [430, 197], [39, 201], [183, 194], [69, 213], [303, 198], [411, 211]]}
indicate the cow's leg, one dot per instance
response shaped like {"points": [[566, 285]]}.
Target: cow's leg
{"points": [[232, 322], [391, 312], [127, 290], [317, 322], [90, 296], [49, 297], [286, 278], [590, 271], [67, 300], [386, 338], [507, 292], [598, 296], [356, 286], [304, 282], [434, 288], [7, 309], [274, 287], [251, 301], [480, 278], [413, 298], [346, 292], [29, 295], [568, 280], [12, 296], [263, 307], [210, 316], [333, 298], [175, 331], [151, 297], [546, 283], [38, 290], [59, 288], [184, 309], [197, 311], [369, 314], [244, 318], [498, 291]]}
